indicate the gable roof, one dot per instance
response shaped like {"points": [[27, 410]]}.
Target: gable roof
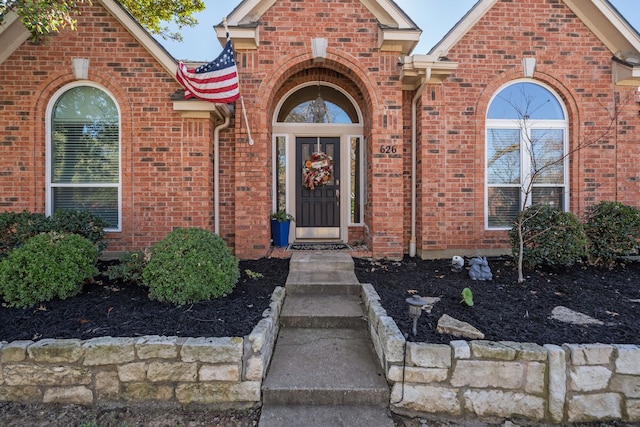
{"points": [[604, 21], [13, 34], [397, 31]]}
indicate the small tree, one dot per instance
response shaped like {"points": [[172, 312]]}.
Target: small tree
{"points": [[43, 17], [545, 153]]}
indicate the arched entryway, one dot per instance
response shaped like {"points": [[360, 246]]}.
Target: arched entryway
{"points": [[319, 117]]}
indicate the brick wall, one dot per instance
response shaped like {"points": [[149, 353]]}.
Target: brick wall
{"points": [[166, 161], [572, 61]]}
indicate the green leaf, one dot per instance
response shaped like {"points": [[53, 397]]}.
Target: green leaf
{"points": [[467, 297]]}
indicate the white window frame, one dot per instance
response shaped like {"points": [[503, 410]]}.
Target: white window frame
{"points": [[48, 170], [525, 152]]}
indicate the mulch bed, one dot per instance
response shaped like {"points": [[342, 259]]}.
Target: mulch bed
{"points": [[503, 309]]}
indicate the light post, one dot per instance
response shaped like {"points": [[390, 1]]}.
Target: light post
{"points": [[415, 310]]}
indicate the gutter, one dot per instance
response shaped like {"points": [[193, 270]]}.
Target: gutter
{"points": [[414, 131], [216, 172]]}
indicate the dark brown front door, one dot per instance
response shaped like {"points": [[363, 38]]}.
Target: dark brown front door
{"points": [[318, 210]]}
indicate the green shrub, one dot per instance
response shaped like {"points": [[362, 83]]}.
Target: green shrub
{"points": [[17, 227], [613, 230], [190, 265], [551, 237], [47, 266], [130, 268], [82, 223]]}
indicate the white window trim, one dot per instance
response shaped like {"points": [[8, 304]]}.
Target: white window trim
{"points": [[525, 150], [48, 156]]}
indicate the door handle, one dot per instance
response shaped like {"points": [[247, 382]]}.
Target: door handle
{"points": [[338, 197]]}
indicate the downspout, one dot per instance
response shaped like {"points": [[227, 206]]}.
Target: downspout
{"points": [[216, 172], [414, 150]]}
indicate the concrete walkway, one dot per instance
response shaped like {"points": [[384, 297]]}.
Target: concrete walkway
{"points": [[324, 371]]}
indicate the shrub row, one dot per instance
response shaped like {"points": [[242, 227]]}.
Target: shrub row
{"points": [[552, 237], [43, 258]]}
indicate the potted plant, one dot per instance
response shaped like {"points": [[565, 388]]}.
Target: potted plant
{"points": [[280, 222]]}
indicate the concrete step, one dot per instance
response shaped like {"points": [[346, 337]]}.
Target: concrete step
{"points": [[320, 261], [325, 416], [324, 367], [322, 282], [323, 311]]}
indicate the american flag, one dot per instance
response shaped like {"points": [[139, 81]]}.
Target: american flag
{"points": [[216, 81]]}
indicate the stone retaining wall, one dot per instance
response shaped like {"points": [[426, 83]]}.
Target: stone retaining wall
{"points": [[224, 372], [500, 380]]}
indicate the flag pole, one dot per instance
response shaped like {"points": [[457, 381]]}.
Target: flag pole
{"points": [[244, 110]]}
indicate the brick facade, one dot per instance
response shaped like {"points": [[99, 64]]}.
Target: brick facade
{"points": [[167, 166]]}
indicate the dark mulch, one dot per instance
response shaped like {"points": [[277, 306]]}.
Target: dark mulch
{"points": [[503, 310], [118, 309]]}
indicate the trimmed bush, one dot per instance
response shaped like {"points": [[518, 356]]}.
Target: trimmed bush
{"points": [[613, 230], [130, 268], [47, 266], [17, 227], [190, 265], [82, 223], [551, 237]]}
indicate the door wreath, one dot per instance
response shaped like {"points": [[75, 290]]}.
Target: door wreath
{"points": [[317, 170]]}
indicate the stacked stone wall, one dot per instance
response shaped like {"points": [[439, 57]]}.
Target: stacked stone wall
{"points": [[506, 380], [172, 371]]}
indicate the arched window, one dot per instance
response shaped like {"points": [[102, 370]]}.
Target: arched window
{"points": [[526, 152], [318, 104], [84, 153]]}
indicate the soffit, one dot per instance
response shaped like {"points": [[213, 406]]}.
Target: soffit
{"points": [[397, 32]]}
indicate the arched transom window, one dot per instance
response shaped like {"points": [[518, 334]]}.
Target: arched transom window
{"points": [[84, 153], [526, 152], [318, 104]]}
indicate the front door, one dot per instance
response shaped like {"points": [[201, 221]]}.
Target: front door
{"points": [[318, 209]]}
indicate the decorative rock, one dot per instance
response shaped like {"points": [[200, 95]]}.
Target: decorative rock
{"points": [[449, 325], [566, 315]]}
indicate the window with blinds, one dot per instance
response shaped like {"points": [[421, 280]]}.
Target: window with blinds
{"points": [[85, 154], [526, 143]]}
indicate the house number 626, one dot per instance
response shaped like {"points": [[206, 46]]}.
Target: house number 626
{"points": [[388, 149]]}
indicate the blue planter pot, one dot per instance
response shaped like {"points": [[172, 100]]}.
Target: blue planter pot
{"points": [[280, 232]]}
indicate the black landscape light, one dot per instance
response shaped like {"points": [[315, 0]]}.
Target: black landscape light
{"points": [[415, 310]]}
